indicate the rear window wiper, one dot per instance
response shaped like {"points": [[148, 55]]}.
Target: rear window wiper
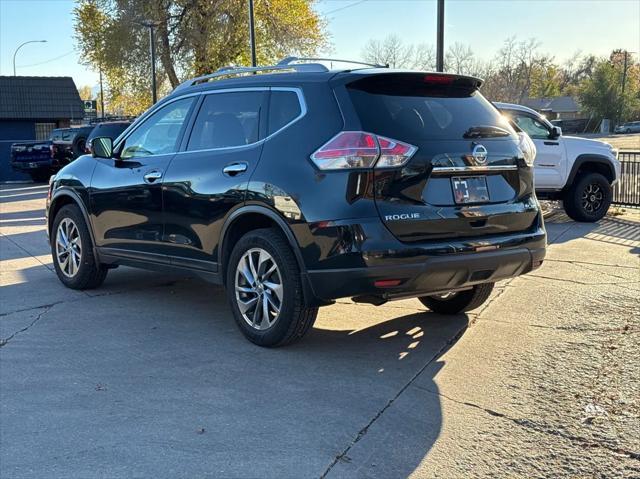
{"points": [[485, 131]]}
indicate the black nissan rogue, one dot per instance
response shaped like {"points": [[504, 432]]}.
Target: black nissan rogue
{"points": [[294, 185]]}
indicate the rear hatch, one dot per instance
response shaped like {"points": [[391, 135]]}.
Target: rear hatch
{"points": [[467, 177]]}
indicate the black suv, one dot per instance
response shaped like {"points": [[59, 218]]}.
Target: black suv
{"points": [[300, 185]]}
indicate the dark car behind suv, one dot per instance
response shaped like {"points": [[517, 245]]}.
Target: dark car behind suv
{"points": [[301, 185], [111, 129]]}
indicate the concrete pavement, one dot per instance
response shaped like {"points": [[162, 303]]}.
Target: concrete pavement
{"points": [[148, 376]]}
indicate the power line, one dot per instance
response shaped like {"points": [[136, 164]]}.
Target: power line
{"points": [[48, 61], [344, 7]]}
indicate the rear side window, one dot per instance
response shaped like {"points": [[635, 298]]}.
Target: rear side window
{"points": [[227, 120], [408, 109], [284, 107]]}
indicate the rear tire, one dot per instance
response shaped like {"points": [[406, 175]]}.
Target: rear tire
{"points": [[75, 265], [264, 290], [589, 198], [459, 302]]}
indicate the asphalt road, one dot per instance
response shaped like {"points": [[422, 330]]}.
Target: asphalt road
{"points": [[147, 376]]}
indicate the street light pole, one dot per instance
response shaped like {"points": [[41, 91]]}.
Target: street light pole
{"points": [[440, 38], [19, 47], [252, 34]]}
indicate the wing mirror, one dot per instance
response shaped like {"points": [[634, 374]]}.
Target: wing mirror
{"points": [[556, 132], [102, 147]]}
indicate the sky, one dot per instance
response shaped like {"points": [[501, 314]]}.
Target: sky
{"points": [[563, 28]]}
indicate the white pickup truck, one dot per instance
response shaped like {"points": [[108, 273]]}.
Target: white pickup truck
{"points": [[578, 171]]}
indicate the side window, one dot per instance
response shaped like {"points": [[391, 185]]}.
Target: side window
{"points": [[158, 135], [226, 120], [284, 107], [532, 127]]}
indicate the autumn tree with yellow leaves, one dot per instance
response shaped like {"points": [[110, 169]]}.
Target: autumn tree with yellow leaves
{"points": [[193, 37]]}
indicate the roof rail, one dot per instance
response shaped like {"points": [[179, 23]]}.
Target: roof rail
{"points": [[231, 70], [290, 60]]}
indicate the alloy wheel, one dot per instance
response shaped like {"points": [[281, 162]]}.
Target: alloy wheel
{"points": [[68, 247], [592, 198], [259, 289]]}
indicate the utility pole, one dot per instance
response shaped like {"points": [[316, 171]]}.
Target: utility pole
{"points": [[252, 34], [101, 92], [152, 46], [624, 81], [440, 38]]}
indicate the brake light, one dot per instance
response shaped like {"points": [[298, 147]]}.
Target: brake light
{"points": [[439, 79], [393, 152], [358, 149]]}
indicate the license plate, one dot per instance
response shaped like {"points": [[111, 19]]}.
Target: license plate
{"points": [[33, 165], [470, 189]]}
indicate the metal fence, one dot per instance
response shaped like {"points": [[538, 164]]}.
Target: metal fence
{"points": [[627, 191]]}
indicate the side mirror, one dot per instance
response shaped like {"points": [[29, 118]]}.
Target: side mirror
{"points": [[102, 147], [556, 132]]}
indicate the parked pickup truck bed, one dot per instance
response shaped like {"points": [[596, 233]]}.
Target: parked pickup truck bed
{"points": [[40, 159]]}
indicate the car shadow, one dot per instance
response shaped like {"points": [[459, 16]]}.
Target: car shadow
{"points": [[610, 229], [170, 359]]}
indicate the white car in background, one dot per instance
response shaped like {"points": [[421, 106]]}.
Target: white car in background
{"points": [[578, 171]]}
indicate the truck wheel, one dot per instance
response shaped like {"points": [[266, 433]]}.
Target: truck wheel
{"points": [[72, 251], [265, 291], [458, 301], [589, 198], [79, 146]]}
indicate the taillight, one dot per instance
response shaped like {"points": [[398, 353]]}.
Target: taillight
{"points": [[358, 149], [528, 148], [52, 150], [393, 152]]}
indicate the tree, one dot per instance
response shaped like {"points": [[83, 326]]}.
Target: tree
{"points": [[85, 92], [391, 51], [193, 37], [394, 52], [601, 93], [459, 59]]}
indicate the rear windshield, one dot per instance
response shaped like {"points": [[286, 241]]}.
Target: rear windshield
{"points": [[411, 110]]}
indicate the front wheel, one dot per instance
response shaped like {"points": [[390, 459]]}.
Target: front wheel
{"points": [[589, 198], [72, 251], [265, 291], [458, 301]]}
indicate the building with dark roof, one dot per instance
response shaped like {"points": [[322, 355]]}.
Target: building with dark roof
{"points": [[555, 108], [30, 107]]}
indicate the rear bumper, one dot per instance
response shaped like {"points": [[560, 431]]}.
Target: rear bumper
{"points": [[434, 270], [31, 166]]}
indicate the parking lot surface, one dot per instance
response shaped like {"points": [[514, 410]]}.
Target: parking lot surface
{"points": [[629, 141], [148, 376]]}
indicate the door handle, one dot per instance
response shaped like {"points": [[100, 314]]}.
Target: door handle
{"points": [[152, 176], [234, 169]]}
